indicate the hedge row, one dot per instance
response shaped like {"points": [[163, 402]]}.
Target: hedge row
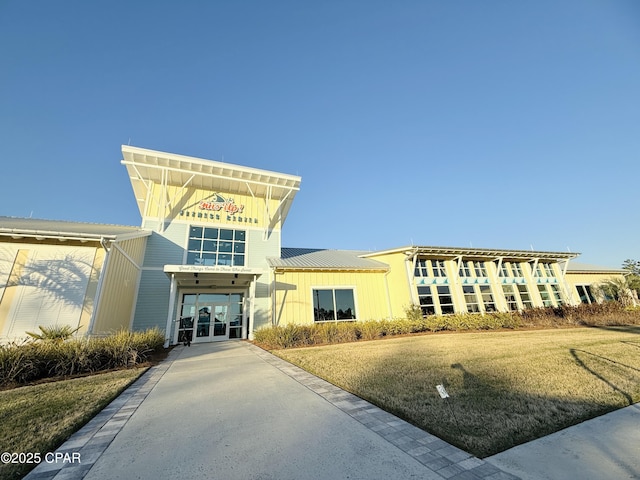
{"points": [[291, 336], [27, 362]]}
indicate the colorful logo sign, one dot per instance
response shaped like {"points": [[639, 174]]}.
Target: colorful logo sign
{"points": [[217, 203]]}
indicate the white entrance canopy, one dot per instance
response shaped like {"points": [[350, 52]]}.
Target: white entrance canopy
{"points": [[212, 276]]}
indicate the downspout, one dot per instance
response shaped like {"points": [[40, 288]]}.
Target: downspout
{"points": [[386, 284], [96, 305]]}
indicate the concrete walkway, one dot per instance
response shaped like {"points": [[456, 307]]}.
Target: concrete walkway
{"points": [[233, 411], [607, 447]]}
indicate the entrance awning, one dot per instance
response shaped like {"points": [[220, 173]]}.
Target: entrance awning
{"points": [[197, 276]]}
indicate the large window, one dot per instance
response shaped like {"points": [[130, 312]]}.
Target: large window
{"points": [[555, 289], [510, 297], [487, 298], [216, 246], [586, 296], [426, 301], [435, 299], [471, 298], [333, 304], [544, 295], [445, 299], [524, 296]]}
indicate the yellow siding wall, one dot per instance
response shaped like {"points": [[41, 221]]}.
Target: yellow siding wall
{"points": [[398, 282], [573, 279], [119, 287], [294, 303], [187, 201]]}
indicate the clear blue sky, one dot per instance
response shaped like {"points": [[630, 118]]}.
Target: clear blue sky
{"points": [[498, 124]]}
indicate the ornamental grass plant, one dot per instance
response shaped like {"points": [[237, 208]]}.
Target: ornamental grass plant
{"points": [[293, 336], [29, 361]]}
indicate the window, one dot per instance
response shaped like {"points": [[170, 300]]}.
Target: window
{"points": [[487, 298], [481, 269], [555, 289], [510, 297], [465, 270], [435, 300], [524, 296], [438, 268], [544, 294], [445, 299], [504, 269], [586, 296], [471, 298], [333, 304], [421, 270], [548, 270], [517, 269], [426, 301], [216, 246]]}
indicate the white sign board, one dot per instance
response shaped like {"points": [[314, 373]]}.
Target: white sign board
{"points": [[443, 393]]}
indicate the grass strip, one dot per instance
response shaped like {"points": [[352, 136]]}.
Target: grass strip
{"points": [[506, 388], [39, 418]]}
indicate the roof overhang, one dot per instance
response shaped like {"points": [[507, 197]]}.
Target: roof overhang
{"points": [[64, 236], [452, 252], [146, 167]]}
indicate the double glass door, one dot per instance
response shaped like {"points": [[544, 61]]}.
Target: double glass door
{"points": [[207, 317]]}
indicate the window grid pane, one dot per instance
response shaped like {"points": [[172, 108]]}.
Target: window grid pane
{"points": [[216, 246], [333, 305]]}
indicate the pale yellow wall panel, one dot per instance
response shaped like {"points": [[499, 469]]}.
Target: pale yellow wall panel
{"points": [[397, 281], [295, 306], [119, 287], [187, 201]]}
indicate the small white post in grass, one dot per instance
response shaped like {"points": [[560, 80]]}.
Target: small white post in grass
{"points": [[441, 390], [444, 395]]}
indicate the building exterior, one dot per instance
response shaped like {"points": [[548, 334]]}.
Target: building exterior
{"points": [[207, 264]]}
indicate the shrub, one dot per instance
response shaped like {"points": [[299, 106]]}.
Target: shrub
{"points": [[30, 361], [290, 336]]}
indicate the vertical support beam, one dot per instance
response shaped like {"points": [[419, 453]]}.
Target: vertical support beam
{"points": [[103, 272], [168, 332], [252, 308]]}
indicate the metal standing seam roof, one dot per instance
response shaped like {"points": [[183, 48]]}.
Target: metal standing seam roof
{"points": [[323, 259], [576, 267], [40, 229]]}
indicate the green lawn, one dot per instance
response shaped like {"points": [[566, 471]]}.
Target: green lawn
{"points": [[39, 418], [505, 388]]}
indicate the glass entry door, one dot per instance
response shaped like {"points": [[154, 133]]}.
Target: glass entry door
{"points": [[208, 317]]}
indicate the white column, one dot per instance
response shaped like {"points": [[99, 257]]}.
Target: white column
{"points": [[172, 302]]}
